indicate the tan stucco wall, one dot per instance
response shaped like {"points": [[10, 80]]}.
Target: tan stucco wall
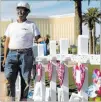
{"points": [[64, 28], [56, 27], [3, 26]]}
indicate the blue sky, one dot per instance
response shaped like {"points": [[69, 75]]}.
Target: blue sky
{"points": [[45, 8]]}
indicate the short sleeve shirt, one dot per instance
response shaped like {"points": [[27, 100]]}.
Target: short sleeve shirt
{"points": [[21, 34]]}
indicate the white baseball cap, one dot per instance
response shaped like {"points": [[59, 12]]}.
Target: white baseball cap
{"points": [[23, 4]]}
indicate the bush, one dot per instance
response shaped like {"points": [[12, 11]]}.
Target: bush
{"points": [[74, 50], [70, 50]]}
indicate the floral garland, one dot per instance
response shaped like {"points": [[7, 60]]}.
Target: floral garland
{"points": [[60, 72], [79, 75], [39, 71], [50, 70]]}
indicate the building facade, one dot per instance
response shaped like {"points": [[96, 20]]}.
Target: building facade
{"points": [[3, 26], [59, 26]]}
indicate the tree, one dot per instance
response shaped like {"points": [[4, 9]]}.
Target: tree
{"points": [[98, 44], [90, 18], [94, 38], [78, 16], [98, 39]]}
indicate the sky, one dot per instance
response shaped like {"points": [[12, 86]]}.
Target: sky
{"points": [[46, 8]]}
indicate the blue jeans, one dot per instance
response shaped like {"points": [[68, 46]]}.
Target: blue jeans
{"points": [[18, 61]]}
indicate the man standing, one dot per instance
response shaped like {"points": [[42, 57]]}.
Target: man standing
{"points": [[19, 40]]}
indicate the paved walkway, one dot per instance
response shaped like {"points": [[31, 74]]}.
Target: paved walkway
{"points": [[3, 96]]}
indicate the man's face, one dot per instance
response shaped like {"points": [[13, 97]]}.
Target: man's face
{"points": [[22, 12]]}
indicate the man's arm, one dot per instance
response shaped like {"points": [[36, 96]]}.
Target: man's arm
{"points": [[40, 40], [6, 48], [37, 37]]}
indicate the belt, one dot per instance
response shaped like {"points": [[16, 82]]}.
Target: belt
{"points": [[21, 50]]}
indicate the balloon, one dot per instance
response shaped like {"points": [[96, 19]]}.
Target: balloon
{"points": [[99, 92], [96, 76], [94, 90]]}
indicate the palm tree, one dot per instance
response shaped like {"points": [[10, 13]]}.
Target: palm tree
{"points": [[97, 15], [78, 17], [94, 38], [90, 18], [98, 44]]}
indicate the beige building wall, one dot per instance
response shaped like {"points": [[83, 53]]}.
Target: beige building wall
{"points": [[42, 24], [64, 28], [57, 27], [3, 26], [60, 26]]}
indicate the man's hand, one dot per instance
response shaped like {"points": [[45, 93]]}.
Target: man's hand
{"points": [[5, 49], [4, 60]]}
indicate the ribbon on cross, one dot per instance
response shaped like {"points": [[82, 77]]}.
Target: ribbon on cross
{"points": [[39, 71], [60, 72], [50, 70]]}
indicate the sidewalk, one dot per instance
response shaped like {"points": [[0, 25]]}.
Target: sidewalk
{"points": [[3, 96]]}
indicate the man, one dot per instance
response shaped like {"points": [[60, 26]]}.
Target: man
{"points": [[19, 40]]}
